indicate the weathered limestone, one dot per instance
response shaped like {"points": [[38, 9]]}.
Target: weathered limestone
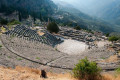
{"points": [[32, 35], [27, 48]]}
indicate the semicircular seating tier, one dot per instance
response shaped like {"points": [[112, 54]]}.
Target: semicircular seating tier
{"points": [[32, 35]]}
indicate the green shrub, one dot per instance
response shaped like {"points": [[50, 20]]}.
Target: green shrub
{"points": [[37, 57], [118, 70], [3, 22], [108, 34], [52, 27], [9, 56], [37, 25], [113, 38], [14, 22], [0, 46], [77, 28], [19, 59], [86, 70]]}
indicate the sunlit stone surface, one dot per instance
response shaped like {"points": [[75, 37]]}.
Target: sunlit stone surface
{"points": [[72, 47]]}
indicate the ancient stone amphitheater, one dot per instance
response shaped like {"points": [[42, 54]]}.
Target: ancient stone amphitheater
{"points": [[24, 46]]}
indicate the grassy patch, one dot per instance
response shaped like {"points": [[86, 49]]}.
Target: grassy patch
{"points": [[19, 59], [118, 70], [56, 49], [36, 25], [38, 58], [14, 22], [9, 56], [11, 37], [3, 29], [102, 57], [0, 46]]}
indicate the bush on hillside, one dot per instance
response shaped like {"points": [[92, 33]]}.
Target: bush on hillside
{"points": [[108, 34], [86, 70], [77, 28], [14, 22], [3, 29], [0, 46], [3, 22], [118, 70], [113, 38], [52, 27]]}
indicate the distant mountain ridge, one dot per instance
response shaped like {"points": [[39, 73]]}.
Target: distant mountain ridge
{"points": [[112, 12], [60, 13], [83, 19], [71, 9]]}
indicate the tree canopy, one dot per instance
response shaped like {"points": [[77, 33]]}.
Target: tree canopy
{"points": [[113, 38], [53, 27], [3, 22], [77, 28]]}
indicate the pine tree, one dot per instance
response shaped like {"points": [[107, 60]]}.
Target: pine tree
{"points": [[20, 16], [41, 17]]}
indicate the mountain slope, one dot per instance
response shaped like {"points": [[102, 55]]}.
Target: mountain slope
{"points": [[25, 7], [63, 6], [109, 10], [84, 20], [112, 12]]}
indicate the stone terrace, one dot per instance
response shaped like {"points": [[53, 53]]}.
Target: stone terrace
{"points": [[33, 49], [79, 35], [46, 55], [32, 35]]}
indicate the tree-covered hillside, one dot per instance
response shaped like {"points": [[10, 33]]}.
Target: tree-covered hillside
{"points": [[36, 8]]}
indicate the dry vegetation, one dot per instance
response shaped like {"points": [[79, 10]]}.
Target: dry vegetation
{"points": [[111, 77], [40, 33], [113, 58], [25, 73]]}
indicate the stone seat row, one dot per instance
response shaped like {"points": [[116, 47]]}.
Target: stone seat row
{"points": [[22, 31]]}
